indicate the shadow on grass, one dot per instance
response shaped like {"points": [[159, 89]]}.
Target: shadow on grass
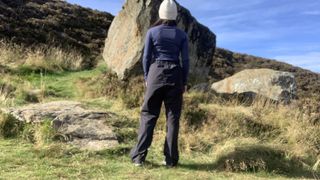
{"points": [[257, 159]]}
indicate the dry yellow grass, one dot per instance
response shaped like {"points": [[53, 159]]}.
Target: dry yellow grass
{"points": [[41, 58]]}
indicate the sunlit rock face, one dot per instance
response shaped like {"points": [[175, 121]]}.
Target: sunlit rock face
{"points": [[276, 85], [124, 46]]}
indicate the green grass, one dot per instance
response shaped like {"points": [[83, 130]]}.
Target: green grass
{"points": [[58, 161], [54, 86], [61, 85], [258, 142]]}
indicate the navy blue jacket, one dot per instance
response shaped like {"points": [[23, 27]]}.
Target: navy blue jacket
{"points": [[166, 43]]}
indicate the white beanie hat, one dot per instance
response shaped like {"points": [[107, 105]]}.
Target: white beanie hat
{"points": [[168, 10]]}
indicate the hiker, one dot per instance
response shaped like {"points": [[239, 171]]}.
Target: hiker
{"points": [[166, 79]]}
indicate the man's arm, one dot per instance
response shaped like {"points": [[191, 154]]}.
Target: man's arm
{"points": [[147, 54]]}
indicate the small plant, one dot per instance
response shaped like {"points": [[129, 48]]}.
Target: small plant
{"points": [[40, 133], [9, 126], [6, 92], [132, 92], [104, 85], [44, 133]]}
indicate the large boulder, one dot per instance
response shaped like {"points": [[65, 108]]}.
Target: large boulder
{"points": [[276, 85], [86, 129], [124, 45]]}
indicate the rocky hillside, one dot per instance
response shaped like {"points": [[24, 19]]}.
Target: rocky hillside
{"points": [[54, 22], [227, 63], [58, 23]]}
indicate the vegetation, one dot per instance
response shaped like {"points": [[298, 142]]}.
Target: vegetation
{"points": [[226, 63], [43, 59], [55, 22], [219, 138], [50, 51]]}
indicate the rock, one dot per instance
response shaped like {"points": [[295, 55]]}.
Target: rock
{"points": [[83, 128], [124, 45], [226, 63], [276, 85]]}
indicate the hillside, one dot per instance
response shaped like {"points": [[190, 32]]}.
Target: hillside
{"points": [[226, 63], [58, 23], [54, 22], [51, 107]]}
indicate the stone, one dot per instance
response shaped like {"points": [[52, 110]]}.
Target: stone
{"points": [[86, 129], [276, 85], [124, 46]]}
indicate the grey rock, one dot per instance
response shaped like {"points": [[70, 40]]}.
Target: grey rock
{"points": [[124, 45], [86, 129], [276, 85]]}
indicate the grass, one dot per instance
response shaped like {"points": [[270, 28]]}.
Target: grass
{"points": [[44, 58], [60, 162], [219, 139]]}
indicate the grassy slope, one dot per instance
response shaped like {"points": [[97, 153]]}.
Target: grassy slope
{"points": [[58, 161]]}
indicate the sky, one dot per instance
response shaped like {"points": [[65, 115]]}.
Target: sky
{"points": [[286, 30]]}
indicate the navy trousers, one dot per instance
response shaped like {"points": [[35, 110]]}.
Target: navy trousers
{"points": [[164, 85]]}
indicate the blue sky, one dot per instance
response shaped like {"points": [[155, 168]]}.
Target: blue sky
{"points": [[286, 30]]}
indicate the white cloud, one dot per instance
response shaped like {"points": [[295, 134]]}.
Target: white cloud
{"points": [[310, 60]]}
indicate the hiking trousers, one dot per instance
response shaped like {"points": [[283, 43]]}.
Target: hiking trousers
{"points": [[164, 85]]}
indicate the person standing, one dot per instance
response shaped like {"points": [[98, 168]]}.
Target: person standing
{"points": [[166, 79]]}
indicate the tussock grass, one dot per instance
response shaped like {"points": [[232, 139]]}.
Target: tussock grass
{"points": [[250, 155], [228, 135], [42, 134], [41, 59], [9, 126], [130, 92], [6, 92], [209, 121], [39, 134]]}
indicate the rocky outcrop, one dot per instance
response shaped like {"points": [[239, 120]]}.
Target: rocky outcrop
{"points": [[86, 129], [54, 23], [276, 85], [125, 42], [227, 63]]}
